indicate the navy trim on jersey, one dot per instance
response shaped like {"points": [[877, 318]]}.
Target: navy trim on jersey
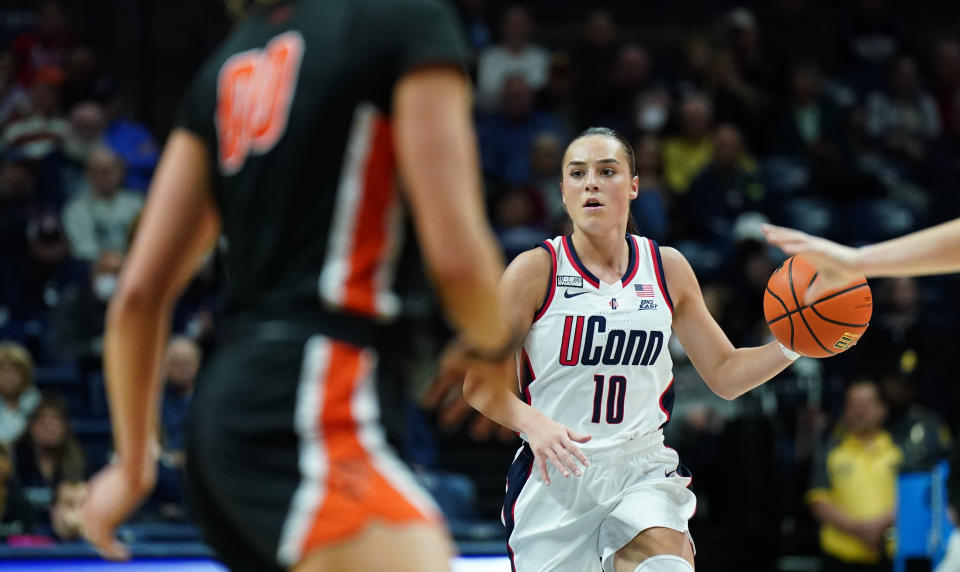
{"points": [[661, 277], [517, 476], [633, 265], [575, 261], [528, 377], [666, 402], [632, 262], [553, 280]]}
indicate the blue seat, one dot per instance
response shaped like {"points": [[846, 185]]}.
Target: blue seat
{"points": [[922, 526]]}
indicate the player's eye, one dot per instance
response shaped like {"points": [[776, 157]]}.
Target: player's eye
{"points": [[608, 172], [576, 173]]}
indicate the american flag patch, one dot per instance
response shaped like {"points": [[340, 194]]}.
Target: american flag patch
{"points": [[644, 290]]}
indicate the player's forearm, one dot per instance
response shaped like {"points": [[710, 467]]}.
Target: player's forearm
{"points": [[495, 401], [136, 329], [746, 368], [934, 250], [437, 158], [468, 291]]}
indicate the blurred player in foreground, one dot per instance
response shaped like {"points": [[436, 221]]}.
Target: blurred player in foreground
{"points": [[285, 154]]}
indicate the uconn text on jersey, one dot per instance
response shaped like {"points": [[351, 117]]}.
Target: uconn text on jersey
{"points": [[633, 347]]}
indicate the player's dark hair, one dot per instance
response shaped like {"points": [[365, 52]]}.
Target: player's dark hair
{"points": [[631, 160]]}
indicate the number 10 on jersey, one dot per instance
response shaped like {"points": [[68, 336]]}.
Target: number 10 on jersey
{"points": [[616, 390]]}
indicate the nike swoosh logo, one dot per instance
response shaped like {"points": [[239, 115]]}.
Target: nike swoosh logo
{"points": [[567, 294]]}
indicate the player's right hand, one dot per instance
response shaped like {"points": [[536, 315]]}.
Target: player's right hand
{"points": [[553, 442], [836, 264]]}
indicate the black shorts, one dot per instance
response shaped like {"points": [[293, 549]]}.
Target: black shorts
{"points": [[285, 454]]}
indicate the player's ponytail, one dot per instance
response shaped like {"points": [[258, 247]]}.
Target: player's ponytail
{"points": [[631, 160]]}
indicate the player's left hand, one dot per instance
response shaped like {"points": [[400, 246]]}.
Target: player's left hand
{"points": [[114, 494]]}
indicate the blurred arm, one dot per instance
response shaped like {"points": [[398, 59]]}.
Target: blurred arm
{"points": [[178, 225], [438, 162], [522, 288]]}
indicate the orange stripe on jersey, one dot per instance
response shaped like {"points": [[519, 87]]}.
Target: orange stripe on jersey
{"points": [[355, 492], [370, 233]]}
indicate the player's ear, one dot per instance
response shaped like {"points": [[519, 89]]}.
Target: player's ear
{"points": [[634, 187]]}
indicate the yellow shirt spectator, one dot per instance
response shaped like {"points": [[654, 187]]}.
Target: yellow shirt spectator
{"points": [[860, 479], [683, 159]]}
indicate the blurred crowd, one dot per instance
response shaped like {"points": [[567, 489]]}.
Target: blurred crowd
{"points": [[835, 118]]}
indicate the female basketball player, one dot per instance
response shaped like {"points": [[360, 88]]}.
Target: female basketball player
{"points": [[930, 251], [598, 307], [285, 146]]}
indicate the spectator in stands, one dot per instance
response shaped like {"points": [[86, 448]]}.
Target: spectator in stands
{"points": [[947, 86], [904, 120], [545, 157], [558, 95], [853, 488], [98, 217], [42, 130], [476, 23], [47, 455], [514, 222], [16, 516], [747, 267], [743, 38], [649, 209], [18, 397], [87, 124], [619, 106], [131, 140], [17, 196], [592, 62], [687, 153], [515, 55], [507, 137], [65, 512], [48, 270], [808, 125], [14, 101], [695, 73], [83, 78], [47, 46], [726, 188], [16, 17], [906, 339], [872, 38], [182, 364], [76, 326], [920, 433]]}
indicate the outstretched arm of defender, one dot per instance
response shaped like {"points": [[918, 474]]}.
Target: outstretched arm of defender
{"points": [[935, 250]]}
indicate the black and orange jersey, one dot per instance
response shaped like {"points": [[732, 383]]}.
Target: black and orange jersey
{"points": [[295, 109]]}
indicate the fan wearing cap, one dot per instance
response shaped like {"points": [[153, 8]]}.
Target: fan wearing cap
{"points": [[44, 128], [98, 218], [47, 270]]}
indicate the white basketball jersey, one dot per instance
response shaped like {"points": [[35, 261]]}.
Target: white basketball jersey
{"points": [[596, 357]]}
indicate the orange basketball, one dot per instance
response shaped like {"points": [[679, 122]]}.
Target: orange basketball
{"points": [[826, 327]]}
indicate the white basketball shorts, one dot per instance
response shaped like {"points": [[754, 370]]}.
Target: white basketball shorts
{"points": [[577, 524]]}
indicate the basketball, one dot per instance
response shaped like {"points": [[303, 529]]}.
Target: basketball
{"points": [[828, 326]]}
